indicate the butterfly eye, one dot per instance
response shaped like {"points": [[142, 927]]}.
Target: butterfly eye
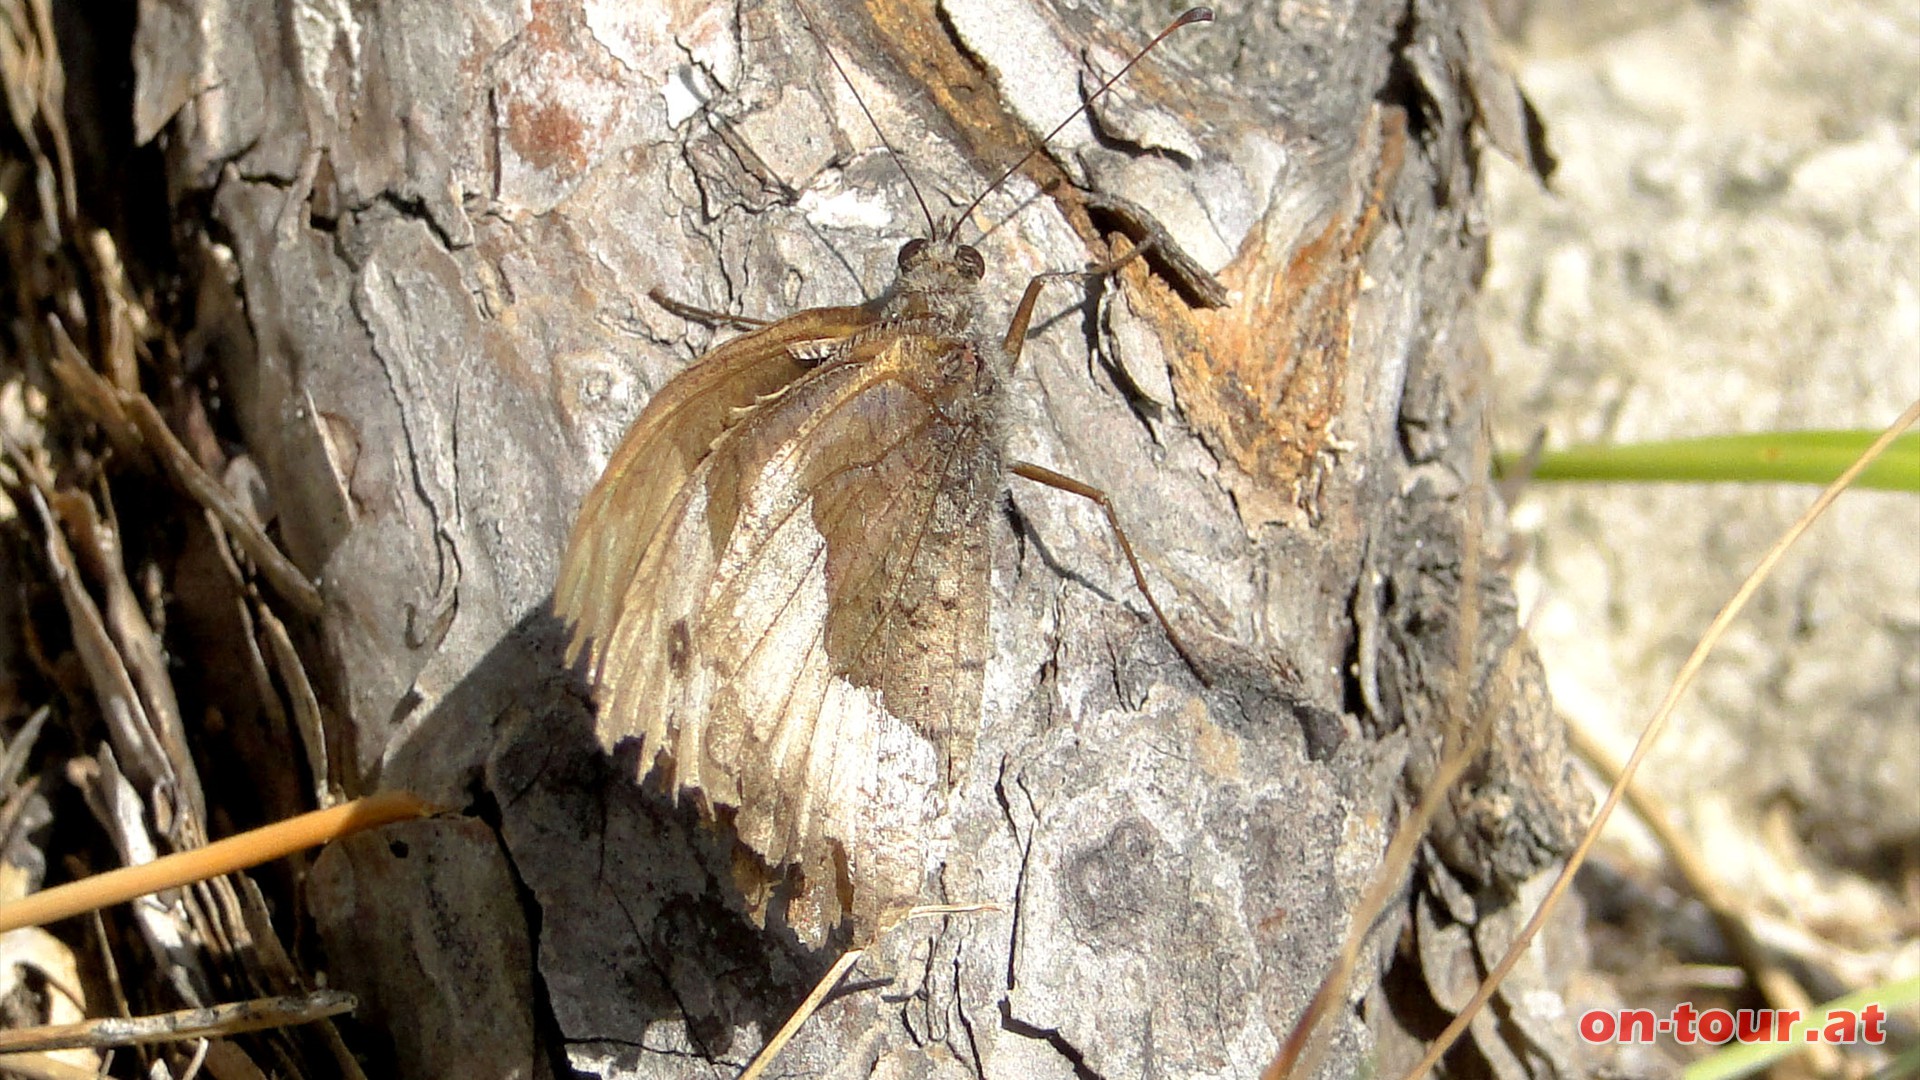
{"points": [[971, 264], [910, 253]]}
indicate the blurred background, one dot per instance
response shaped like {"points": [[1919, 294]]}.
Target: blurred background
{"points": [[1731, 243]]}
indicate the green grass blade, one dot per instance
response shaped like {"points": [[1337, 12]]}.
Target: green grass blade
{"points": [[1793, 457], [1737, 1060]]}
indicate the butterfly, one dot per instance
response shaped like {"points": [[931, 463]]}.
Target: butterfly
{"points": [[780, 583]]}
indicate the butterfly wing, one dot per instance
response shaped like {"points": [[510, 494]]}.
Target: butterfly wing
{"points": [[623, 512], [802, 643]]}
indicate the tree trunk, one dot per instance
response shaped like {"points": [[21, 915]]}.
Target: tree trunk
{"points": [[442, 221]]}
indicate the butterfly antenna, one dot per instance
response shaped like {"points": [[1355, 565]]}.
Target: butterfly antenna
{"points": [[1187, 18], [807, 17]]}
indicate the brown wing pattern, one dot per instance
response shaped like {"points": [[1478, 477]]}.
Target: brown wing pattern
{"points": [[910, 610], [803, 638], [673, 435]]}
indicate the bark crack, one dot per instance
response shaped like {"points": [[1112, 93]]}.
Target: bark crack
{"points": [[1059, 1042]]}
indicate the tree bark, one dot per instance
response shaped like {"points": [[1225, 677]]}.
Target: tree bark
{"points": [[442, 220]]}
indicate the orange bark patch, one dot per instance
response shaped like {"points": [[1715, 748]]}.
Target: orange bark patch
{"points": [[547, 134], [1262, 378], [559, 102]]}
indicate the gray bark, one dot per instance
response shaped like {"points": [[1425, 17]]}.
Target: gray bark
{"points": [[441, 222]]}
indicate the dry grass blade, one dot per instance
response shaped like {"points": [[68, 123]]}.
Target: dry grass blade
{"points": [[762, 1060], [130, 415], [217, 1021], [130, 729], [285, 578], [1734, 918], [1688, 671], [305, 705], [235, 853], [34, 84], [1297, 1054], [44, 1067], [1300, 1053]]}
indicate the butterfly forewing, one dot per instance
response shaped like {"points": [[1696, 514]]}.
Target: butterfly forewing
{"points": [[622, 514]]}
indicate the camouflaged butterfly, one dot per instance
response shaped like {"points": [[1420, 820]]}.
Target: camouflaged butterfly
{"points": [[780, 583]]}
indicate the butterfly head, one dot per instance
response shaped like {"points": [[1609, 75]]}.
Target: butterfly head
{"points": [[939, 278]]}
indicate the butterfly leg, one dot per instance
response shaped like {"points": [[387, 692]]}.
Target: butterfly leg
{"points": [[700, 314], [1023, 314], [1040, 474]]}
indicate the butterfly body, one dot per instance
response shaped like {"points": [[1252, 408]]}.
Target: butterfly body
{"points": [[780, 585]]}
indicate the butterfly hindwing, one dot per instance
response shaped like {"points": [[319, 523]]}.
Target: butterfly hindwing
{"points": [[801, 639]]}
